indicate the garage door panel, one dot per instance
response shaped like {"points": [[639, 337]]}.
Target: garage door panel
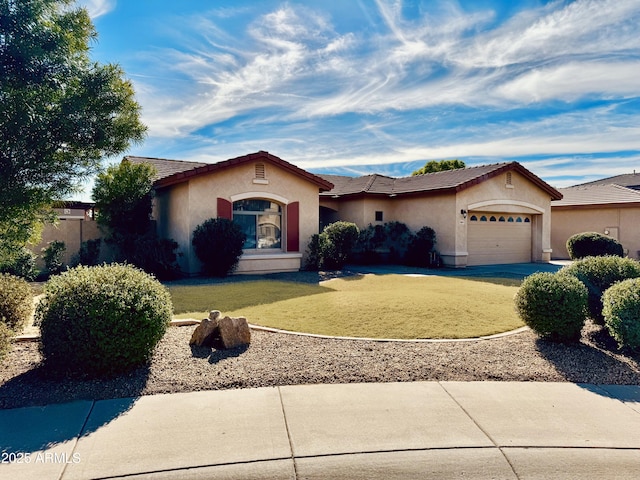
{"points": [[498, 242]]}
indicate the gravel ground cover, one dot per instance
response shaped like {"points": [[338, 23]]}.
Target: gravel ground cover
{"points": [[282, 359]]}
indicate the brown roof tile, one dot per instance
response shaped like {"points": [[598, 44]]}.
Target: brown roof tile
{"points": [[447, 181], [171, 172], [597, 195]]}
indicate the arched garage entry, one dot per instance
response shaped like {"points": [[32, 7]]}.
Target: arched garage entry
{"points": [[499, 233]]}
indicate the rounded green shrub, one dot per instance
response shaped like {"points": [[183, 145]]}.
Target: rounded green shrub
{"points": [[552, 305], [16, 302], [218, 245], [336, 243], [102, 320], [598, 274], [5, 340], [593, 244], [621, 309]]}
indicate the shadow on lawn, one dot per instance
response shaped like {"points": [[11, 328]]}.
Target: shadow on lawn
{"points": [[84, 406]]}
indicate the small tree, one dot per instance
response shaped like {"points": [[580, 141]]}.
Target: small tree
{"points": [[435, 166], [218, 245], [124, 201]]}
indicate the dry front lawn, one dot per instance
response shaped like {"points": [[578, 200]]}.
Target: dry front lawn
{"points": [[375, 306]]}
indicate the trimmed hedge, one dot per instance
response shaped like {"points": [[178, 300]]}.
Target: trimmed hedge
{"points": [[621, 309], [16, 302], [218, 245], [102, 320], [598, 274], [552, 305], [593, 244]]}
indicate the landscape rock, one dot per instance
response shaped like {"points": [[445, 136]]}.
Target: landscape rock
{"points": [[234, 332], [206, 333], [214, 314]]}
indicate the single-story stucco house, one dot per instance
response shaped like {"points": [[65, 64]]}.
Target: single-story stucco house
{"points": [[610, 206], [497, 213], [275, 202], [490, 214]]}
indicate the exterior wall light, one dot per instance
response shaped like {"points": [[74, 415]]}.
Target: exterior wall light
{"points": [[463, 212]]}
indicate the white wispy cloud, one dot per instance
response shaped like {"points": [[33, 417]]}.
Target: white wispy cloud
{"points": [[292, 79], [97, 8]]}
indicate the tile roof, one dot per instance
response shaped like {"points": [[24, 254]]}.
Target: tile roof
{"points": [[164, 167], [629, 180], [597, 194], [171, 172], [439, 182]]}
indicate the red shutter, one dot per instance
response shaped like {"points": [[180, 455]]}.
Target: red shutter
{"points": [[293, 227], [225, 209]]}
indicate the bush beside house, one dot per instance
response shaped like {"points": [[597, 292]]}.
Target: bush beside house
{"points": [[16, 305], [218, 244], [592, 244]]}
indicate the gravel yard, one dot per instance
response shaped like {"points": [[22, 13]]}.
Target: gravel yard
{"points": [[281, 359]]}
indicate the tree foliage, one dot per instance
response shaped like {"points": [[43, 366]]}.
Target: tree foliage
{"points": [[60, 112], [124, 195], [439, 166], [124, 202]]}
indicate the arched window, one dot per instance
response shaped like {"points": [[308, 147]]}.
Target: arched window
{"points": [[526, 220], [483, 218], [510, 219], [473, 218], [501, 219], [261, 221], [492, 219], [519, 220]]}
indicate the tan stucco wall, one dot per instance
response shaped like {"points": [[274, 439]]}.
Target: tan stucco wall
{"points": [[179, 209], [622, 224]]}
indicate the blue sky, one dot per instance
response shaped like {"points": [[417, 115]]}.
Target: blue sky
{"points": [[360, 86]]}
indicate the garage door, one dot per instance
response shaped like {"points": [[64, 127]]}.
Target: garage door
{"points": [[494, 238]]}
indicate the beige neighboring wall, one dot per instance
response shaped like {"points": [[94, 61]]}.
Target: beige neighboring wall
{"points": [[622, 223], [182, 207]]}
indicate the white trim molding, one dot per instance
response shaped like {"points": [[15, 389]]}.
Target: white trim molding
{"points": [[488, 203], [265, 195]]}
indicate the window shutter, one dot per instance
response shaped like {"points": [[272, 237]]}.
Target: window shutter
{"points": [[225, 209], [293, 227]]}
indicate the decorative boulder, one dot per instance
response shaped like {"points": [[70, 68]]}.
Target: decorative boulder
{"points": [[234, 332], [206, 333]]}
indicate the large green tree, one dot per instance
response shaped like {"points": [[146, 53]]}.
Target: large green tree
{"points": [[439, 166], [61, 113]]}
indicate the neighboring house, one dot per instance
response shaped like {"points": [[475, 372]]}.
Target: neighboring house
{"points": [[275, 202], [610, 206], [75, 225], [490, 214]]}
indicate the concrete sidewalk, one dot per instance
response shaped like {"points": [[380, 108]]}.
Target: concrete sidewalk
{"points": [[439, 430]]}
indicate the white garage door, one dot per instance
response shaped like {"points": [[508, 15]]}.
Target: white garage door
{"points": [[495, 238]]}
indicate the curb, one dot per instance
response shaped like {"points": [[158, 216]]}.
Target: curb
{"points": [[397, 340]]}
